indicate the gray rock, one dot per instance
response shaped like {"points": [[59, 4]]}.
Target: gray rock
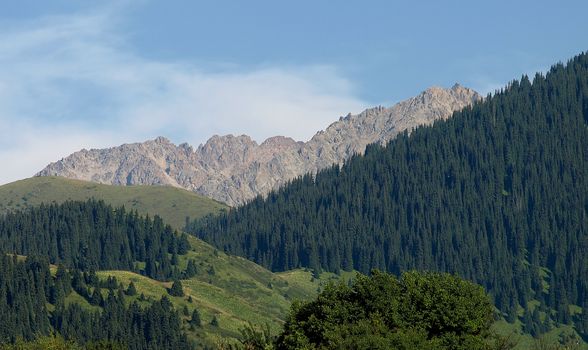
{"points": [[235, 169]]}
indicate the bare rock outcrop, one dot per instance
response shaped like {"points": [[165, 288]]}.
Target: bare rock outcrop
{"points": [[234, 169]]}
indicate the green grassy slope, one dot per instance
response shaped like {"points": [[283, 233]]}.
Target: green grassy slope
{"points": [[240, 291], [172, 204], [237, 291], [233, 289], [551, 340]]}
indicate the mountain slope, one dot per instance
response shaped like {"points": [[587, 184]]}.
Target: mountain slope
{"points": [[172, 204], [239, 291], [234, 169], [498, 194], [83, 237]]}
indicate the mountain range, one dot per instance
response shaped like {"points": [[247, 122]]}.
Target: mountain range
{"points": [[494, 193], [235, 169]]}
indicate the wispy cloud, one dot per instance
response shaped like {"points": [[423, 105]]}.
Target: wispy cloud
{"points": [[72, 82]]}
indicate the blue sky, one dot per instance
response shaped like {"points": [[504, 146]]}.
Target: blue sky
{"points": [[85, 74]]}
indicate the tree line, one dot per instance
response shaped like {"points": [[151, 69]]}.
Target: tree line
{"points": [[94, 236]]}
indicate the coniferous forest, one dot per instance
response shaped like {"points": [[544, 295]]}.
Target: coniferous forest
{"points": [[92, 235], [497, 194], [27, 287], [83, 237]]}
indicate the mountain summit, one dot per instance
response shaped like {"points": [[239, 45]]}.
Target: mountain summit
{"points": [[234, 169]]}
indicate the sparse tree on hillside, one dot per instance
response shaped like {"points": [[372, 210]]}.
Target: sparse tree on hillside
{"points": [[131, 290], [176, 290]]}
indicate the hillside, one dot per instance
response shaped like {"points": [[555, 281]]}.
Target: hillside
{"points": [[75, 239], [227, 292], [497, 194], [237, 292], [172, 204], [235, 169]]}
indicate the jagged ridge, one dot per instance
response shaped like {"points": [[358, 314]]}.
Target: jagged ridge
{"points": [[234, 169]]}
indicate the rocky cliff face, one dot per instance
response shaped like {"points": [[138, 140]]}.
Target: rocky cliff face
{"points": [[234, 169]]}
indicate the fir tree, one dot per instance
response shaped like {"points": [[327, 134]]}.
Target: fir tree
{"points": [[176, 289], [131, 290], [195, 319]]}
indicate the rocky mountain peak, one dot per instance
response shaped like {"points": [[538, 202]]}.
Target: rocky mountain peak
{"points": [[234, 169], [162, 140]]}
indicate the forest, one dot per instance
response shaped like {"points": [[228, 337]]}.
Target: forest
{"points": [[76, 239], [497, 194], [92, 235], [27, 287]]}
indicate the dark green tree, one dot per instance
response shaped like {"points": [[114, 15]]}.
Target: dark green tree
{"points": [[131, 290], [176, 289], [195, 319], [419, 310], [191, 269]]}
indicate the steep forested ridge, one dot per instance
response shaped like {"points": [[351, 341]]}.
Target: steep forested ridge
{"points": [[497, 194], [92, 235]]}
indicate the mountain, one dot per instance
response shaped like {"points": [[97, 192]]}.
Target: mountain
{"points": [[172, 204], [497, 194], [235, 169]]}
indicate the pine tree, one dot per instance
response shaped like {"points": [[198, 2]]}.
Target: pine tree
{"points": [[176, 289], [191, 269], [195, 319], [583, 322], [131, 290], [97, 298]]}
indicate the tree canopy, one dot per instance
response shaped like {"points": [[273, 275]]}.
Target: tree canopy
{"points": [[93, 235], [416, 311]]}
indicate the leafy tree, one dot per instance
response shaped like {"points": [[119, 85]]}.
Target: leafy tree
{"points": [[257, 339], [419, 310]]}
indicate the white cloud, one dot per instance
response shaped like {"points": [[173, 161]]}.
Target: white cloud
{"points": [[36, 146], [71, 82]]}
